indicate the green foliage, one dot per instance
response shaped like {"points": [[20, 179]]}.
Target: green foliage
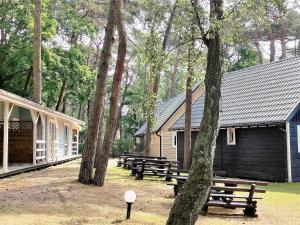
{"points": [[247, 57]]}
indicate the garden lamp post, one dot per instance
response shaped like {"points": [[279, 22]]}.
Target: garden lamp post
{"points": [[129, 197]]}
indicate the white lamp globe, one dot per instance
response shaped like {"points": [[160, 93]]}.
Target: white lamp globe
{"points": [[129, 196]]}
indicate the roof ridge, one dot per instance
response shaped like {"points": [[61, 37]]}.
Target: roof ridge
{"points": [[263, 65]]}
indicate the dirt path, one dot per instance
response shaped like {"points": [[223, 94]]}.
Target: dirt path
{"points": [[53, 196]]}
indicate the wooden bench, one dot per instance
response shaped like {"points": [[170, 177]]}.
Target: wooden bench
{"points": [[128, 163], [123, 157], [226, 196], [160, 168]]}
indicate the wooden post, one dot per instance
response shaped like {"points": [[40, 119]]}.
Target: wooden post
{"points": [[77, 141], [5, 136], [34, 122], [47, 128], [7, 111]]}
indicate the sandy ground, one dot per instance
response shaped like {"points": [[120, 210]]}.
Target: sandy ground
{"points": [[53, 196]]}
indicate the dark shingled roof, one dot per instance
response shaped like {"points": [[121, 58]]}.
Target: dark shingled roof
{"points": [[165, 111], [263, 94]]}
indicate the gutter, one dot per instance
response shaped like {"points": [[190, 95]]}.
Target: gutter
{"points": [[160, 144]]}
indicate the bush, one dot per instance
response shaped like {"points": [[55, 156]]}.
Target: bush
{"points": [[120, 146]]}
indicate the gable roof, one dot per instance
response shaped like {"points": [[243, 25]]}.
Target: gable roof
{"points": [[163, 113], [23, 102], [259, 95]]}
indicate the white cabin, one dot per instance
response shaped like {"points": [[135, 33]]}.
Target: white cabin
{"points": [[32, 134]]}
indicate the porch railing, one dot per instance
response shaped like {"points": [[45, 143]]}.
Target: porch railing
{"points": [[40, 151], [74, 148]]}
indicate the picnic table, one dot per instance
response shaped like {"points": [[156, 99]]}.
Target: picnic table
{"points": [[229, 195]]}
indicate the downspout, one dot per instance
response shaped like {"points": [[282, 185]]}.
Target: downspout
{"points": [[288, 148], [160, 144]]}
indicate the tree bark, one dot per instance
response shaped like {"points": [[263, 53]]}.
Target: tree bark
{"points": [[188, 102], [59, 104], [37, 45], [173, 75], [258, 49], [152, 100], [272, 46], [100, 140], [196, 189], [283, 46], [88, 156], [113, 111]]}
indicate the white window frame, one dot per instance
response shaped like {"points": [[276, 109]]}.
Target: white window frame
{"points": [[298, 137], [231, 131], [174, 140]]}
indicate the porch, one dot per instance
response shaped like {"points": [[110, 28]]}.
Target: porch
{"points": [[32, 135]]}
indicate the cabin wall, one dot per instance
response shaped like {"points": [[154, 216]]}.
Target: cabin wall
{"points": [[294, 145], [140, 147], [259, 153], [61, 139], [167, 149], [155, 145]]}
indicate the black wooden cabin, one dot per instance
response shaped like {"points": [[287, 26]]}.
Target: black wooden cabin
{"points": [[259, 135]]}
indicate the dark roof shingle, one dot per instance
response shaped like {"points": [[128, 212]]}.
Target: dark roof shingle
{"points": [[262, 94]]}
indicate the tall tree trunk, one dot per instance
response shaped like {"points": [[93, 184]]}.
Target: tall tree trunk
{"points": [[88, 156], [101, 133], [65, 105], [298, 49], [188, 102], [283, 46], [154, 92], [196, 189], [173, 75], [272, 46], [80, 111], [258, 49], [37, 45], [97, 55], [59, 104], [113, 111]]}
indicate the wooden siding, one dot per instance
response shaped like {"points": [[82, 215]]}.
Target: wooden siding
{"points": [[295, 155], [155, 145], [20, 146], [259, 153], [167, 148]]}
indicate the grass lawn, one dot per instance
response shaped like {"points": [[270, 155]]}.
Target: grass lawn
{"points": [[53, 196]]}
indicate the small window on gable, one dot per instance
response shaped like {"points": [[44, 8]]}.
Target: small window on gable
{"points": [[174, 140], [138, 140], [231, 136], [298, 137]]}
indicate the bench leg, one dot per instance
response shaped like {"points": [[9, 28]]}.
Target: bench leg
{"points": [[250, 212], [168, 177], [175, 190], [204, 210], [139, 176], [133, 172]]}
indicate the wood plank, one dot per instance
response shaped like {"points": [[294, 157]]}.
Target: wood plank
{"points": [[242, 189]]}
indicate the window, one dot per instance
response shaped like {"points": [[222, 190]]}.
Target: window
{"points": [[174, 140], [231, 136], [298, 137], [138, 140]]}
